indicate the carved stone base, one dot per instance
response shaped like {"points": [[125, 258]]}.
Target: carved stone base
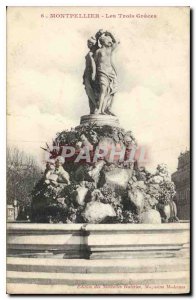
{"points": [[47, 258], [98, 241], [100, 120]]}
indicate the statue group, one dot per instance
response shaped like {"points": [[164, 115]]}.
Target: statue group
{"points": [[100, 78], [86, 185]]}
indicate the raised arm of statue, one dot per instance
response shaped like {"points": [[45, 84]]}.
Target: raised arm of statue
{"points": [[107, 33], [115, 43], [114, 46]]}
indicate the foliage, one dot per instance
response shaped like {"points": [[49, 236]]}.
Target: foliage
{"points": [[59, 203], [93, 134], [166, 192], [22, 175]]}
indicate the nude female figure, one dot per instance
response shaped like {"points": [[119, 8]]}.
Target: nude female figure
{"points": [[106, 76], [90, 73]]}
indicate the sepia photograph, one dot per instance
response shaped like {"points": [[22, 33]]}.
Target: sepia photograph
{"points": [[98, 150]]}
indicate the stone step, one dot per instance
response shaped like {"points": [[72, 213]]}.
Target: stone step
{"points": [[51, 265], [42, 278]]}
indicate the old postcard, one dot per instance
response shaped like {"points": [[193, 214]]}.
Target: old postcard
{"points": [[98, 155]]}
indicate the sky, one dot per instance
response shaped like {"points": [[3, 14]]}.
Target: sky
{"points": [[46, 61]]}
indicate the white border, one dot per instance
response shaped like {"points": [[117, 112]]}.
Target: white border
{"points": [[3, 5], [98, 3]]}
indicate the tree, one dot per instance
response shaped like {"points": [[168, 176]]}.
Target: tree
{"points": [[23, 173]]}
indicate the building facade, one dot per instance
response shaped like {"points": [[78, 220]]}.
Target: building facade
{"points": [[181, 178]]}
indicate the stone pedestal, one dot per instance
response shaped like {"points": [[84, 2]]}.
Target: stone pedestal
{"points": [[122, 258], [128, 241], [46, 240], [98, 241], [100, 120]]}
